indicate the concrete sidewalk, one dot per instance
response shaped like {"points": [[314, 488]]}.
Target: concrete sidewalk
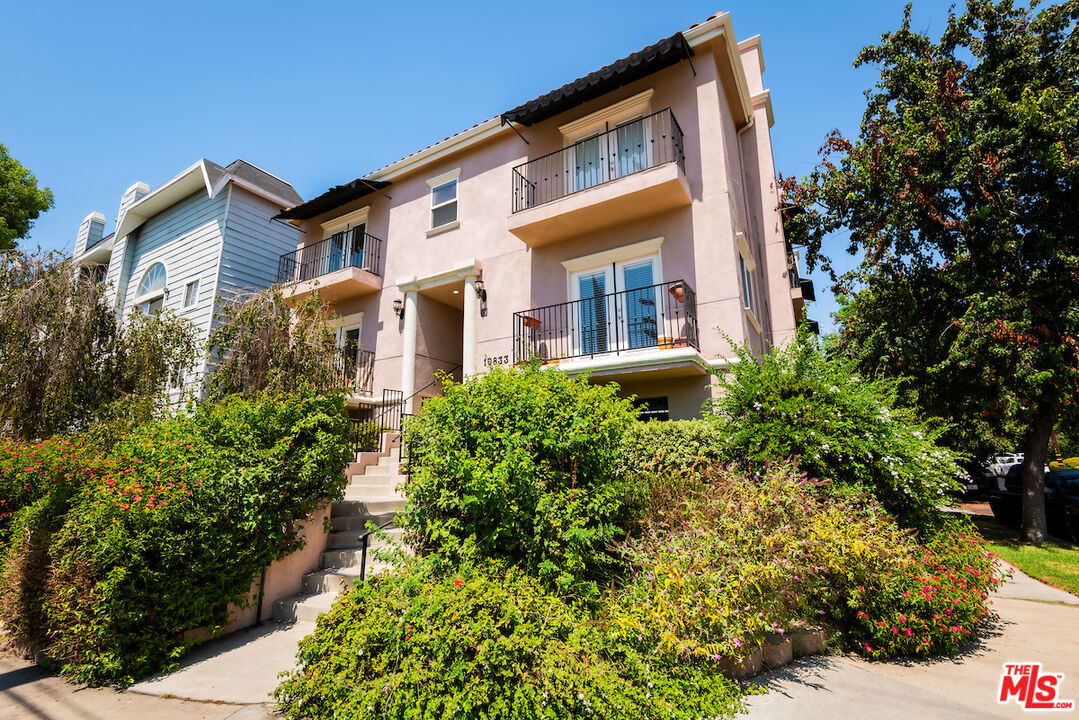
{"points": [[1037, 623], [239, 668], [26, 693]]}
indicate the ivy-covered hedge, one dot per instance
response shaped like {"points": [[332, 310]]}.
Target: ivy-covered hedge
{"points": [[164, 530], [676, 446]]}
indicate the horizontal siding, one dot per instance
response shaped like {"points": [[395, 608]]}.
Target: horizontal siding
{"points": [[187, 239], [253, 245]]}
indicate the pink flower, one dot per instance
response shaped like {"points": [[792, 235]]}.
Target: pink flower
{"points": [[458, 583]]}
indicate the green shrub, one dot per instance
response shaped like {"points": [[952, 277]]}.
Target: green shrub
{"points": [[169, 528], [677, 446], [485, 642], [522, 465], [797, 403], [736, 559]]}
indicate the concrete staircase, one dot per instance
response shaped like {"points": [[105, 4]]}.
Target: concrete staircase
{"points": [[371, 495]]}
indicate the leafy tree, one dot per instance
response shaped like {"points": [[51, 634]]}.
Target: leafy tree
{"points": [[21, 200], [65, 362], [960, 189], [265, 342]]}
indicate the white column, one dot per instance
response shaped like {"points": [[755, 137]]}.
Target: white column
{"points": [[468, 339], [408, 352]]}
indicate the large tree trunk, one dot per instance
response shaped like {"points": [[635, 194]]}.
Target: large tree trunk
{"points": [[1037, 452]]}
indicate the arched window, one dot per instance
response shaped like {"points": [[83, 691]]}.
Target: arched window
{"points": [[153, 284], [153, 280]]}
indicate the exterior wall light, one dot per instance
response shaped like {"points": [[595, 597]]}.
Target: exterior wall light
{"points": [[481, 293], [399, 308]]}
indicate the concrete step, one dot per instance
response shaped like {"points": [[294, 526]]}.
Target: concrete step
{"points": [[352, 538], [381, 470], [337, 580], [347, 557], [302, 607], [359, 522], [373, 490], [374, 480], [374, 506]]}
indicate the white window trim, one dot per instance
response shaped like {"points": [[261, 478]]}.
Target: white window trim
{"points": [[647, 249], [618, 254], [445, 178], [346, 321], [616, 114], [198, 288], [345, 222], [162, 292]]}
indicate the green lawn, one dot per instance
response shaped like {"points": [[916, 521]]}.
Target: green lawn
{"points": [[1054, 563]]}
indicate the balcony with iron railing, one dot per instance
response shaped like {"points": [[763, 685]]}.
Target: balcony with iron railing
{"points": [[802, 289], [659, 317], [620, 175], [353, 370], [344, 264]]}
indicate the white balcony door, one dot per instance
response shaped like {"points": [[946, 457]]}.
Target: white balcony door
{"points": [[638, 315], [615, 307], [595, 310], [633, 141]]}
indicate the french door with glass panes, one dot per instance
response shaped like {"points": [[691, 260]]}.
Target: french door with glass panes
{"points": [[615, 307]]}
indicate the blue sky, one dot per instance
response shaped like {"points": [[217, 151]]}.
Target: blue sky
{"points": [[101, 95]]}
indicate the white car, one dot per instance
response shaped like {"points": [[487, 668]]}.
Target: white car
{"points": [[997, 466]]}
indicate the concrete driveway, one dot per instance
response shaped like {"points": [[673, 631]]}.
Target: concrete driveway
{"points": [[1037, 624]]}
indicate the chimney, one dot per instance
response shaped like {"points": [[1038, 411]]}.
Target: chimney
{"points": [[90, 232], [131, 196]]}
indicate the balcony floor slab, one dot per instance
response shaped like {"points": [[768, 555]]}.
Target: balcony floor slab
{"points": [[619, 201]]}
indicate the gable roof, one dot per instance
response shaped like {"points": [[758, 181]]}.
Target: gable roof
{"points": [[211, 178]]}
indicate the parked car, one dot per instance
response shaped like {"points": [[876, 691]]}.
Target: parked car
{"points": [[1061, 501]]}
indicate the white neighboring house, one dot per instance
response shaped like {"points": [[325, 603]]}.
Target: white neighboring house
{"points": [[191, 243]]}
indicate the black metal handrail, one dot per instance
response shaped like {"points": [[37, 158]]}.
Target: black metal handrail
{"points": [[374, 421], [627, 149], [354, 370], [364, 542], [792, 268], [662, 315], [348, 248]]}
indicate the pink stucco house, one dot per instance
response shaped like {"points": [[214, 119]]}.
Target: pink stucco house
{"points": [[613, 226]]}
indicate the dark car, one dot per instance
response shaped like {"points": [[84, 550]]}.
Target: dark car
{"points": [[1061, 501]]}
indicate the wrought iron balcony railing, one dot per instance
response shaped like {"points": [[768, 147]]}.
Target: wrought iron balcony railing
{"points": [[630, 148], [350, 248], [657, 316], [353, 370]]}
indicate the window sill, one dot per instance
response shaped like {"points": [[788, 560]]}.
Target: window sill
{"points": [[752, 318], [444, 228]]}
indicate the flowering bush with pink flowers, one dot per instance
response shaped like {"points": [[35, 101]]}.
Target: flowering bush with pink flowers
{"points": [[118, 552]]}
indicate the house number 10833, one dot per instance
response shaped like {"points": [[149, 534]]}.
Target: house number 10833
{"points": [[496, 360]]}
